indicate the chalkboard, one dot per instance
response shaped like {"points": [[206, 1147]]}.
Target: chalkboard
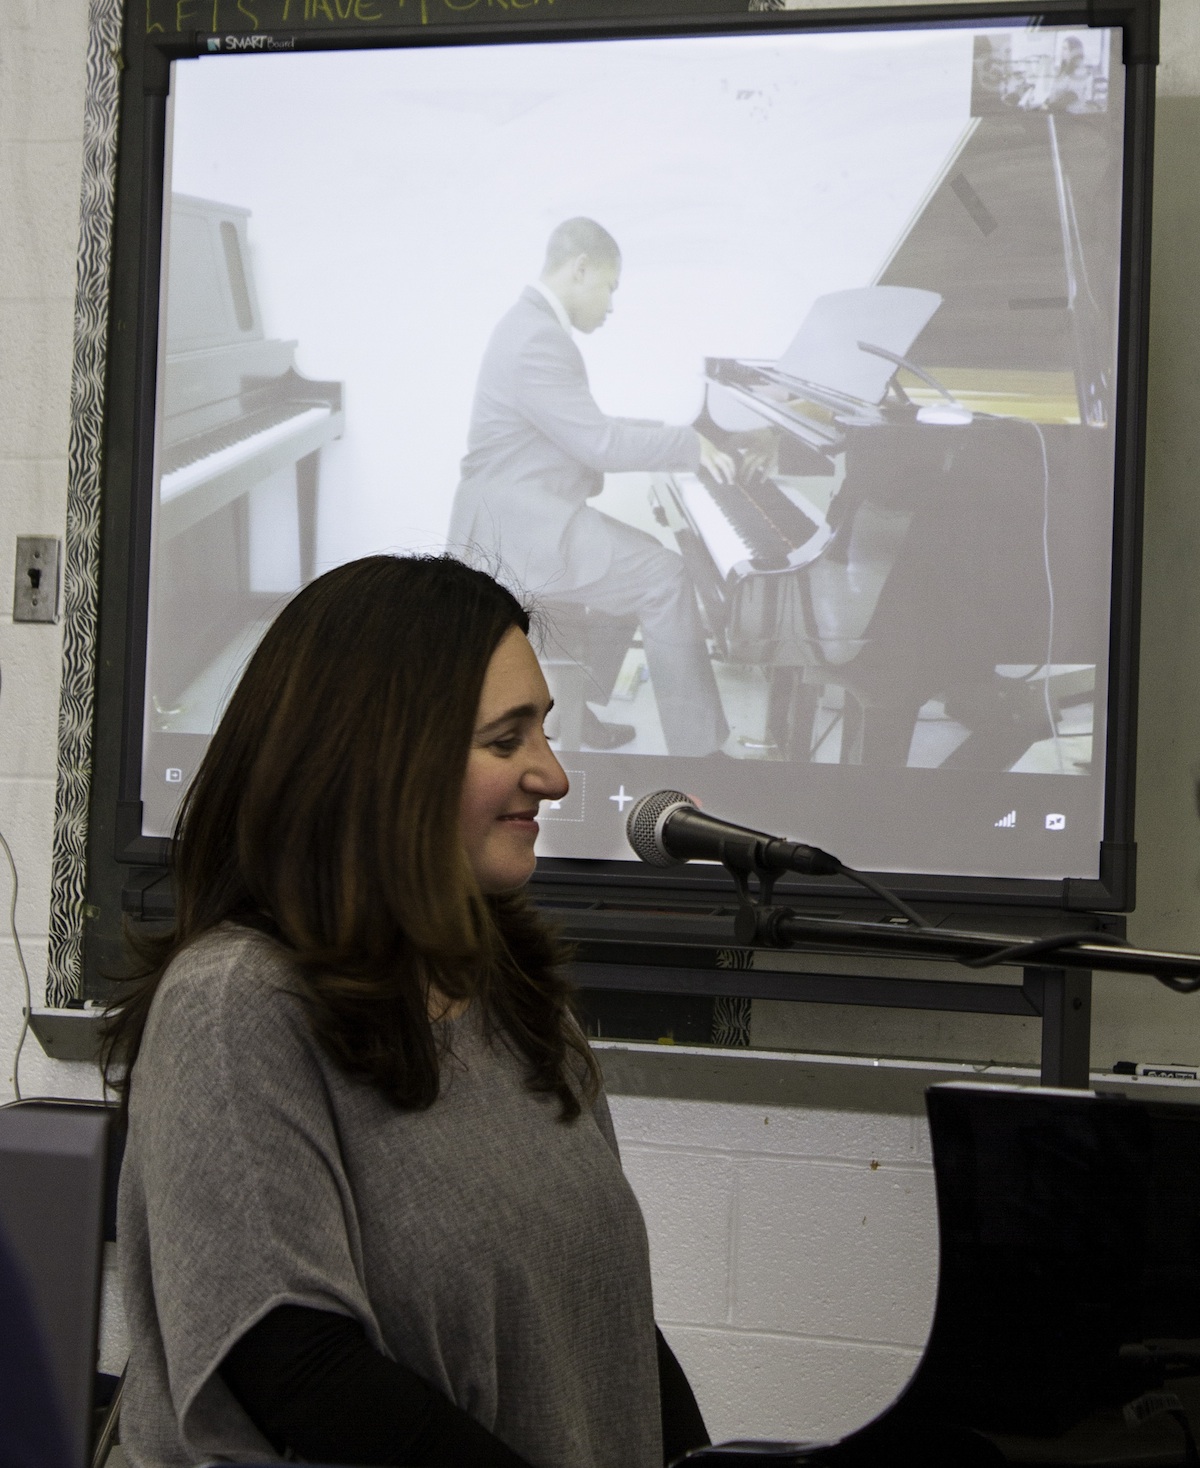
{"points": [[167, 18]]}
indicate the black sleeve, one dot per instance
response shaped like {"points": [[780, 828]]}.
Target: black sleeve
{"points": [[313, 1385], [682, 1425]]}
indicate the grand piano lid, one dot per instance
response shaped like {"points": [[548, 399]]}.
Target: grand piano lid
{"points": [[1067, 1224], [1020, 235]]}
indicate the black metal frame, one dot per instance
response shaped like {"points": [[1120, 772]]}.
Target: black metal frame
{"points": [[1061, 998], [115, 843]]}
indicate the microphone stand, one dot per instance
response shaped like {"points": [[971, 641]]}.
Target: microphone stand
{"points": [[759, 923]]}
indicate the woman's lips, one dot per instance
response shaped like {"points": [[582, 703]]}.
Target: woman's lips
{"points": [[524, 819]]}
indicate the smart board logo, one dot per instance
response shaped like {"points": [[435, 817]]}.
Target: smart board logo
{"points": [[1008, 821], [251, 43]]}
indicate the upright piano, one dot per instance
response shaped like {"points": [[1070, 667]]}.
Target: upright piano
{"points": [[931, 520], [238, 454]]}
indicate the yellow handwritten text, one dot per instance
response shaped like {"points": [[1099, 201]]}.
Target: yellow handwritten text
{"points": [[499, 4], [247, 16]]}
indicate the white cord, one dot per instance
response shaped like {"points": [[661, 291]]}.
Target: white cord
{"points": [[1050, 719], [12, 926], [1041, 438]]}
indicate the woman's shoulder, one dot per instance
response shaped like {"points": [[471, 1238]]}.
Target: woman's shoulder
{"points": [[231, 982], [231, 952]]}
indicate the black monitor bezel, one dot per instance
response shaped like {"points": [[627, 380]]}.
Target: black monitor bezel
{"points": [[115, 840]]}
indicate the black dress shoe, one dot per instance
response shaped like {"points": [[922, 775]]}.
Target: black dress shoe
{"points": [[605, 736]]}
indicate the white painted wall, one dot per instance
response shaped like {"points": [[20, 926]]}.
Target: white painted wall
{"points": [[794, 1315]]}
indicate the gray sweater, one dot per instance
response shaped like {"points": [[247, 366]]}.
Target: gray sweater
{"points": [[495, 1250]]}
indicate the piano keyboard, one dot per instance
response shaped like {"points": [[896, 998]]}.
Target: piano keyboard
{"points": [[186, 451], [218, 461], [751, 526]]}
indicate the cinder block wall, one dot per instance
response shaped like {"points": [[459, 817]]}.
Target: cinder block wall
{"points": [[794, 1254], [43, 47], [793, 1276]]}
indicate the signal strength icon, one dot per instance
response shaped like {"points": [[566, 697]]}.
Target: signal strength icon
{"points": [[1006, 821]]}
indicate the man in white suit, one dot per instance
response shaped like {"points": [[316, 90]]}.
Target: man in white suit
{"points": [[538, 449]]}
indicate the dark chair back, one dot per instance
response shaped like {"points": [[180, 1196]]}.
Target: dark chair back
{"points": [[32, 1429], [53, 1164]]}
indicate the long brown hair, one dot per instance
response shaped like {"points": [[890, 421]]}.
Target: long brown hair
{"points": [[325, 812]]}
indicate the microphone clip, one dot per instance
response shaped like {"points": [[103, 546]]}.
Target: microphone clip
{"points": [[752, 923]]}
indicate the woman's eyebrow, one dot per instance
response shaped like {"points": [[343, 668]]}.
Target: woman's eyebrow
{"points": [[519, 711]]}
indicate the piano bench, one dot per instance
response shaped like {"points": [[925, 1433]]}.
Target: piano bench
{"points": [[581, 652]]}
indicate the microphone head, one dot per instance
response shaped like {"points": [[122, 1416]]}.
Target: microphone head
{"points": [[643, 825]]}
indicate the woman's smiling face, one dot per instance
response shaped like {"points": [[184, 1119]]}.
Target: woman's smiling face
{"points": [[510, 769]]}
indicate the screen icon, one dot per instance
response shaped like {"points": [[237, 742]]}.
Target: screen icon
{"points": [[1007, 821], [571, 806], [1056, 822], [174, 776]]}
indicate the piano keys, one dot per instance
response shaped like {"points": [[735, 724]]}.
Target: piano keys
{"points": [[752, 526], [221, 471], [238, 459], [946, 464]]}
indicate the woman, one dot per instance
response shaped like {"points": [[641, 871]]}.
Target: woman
{"points": [[371, 1208]]}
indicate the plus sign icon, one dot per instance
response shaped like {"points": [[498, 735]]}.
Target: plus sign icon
{"points": [[621, 800]]}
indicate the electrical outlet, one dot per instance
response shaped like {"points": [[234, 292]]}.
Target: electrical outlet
{"points": [[35, 585]]}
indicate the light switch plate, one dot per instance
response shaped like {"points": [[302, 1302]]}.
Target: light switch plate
{"points": [[36, 582]]}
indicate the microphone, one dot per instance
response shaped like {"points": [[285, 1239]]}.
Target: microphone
{"points": [[668, 827]]}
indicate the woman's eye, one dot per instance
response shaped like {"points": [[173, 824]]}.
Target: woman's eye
{"points": [[509, 744]]}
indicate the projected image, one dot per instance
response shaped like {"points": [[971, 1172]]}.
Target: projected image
{"points": [[1042, 71], [776, 371]]}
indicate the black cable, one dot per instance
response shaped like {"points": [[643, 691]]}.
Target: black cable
{"points": [[1036, 950], [1018, 952], [888, 896], [1179, 985]]}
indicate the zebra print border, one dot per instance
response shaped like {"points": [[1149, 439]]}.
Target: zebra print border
{"points": [[81, 571], [731, 1022]]}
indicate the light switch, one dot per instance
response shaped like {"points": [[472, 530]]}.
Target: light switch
{"points": [[36, 583]]}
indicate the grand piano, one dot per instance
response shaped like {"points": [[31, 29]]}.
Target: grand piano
{"points": [[922, 510], [238, 457], [1068, 1300]]}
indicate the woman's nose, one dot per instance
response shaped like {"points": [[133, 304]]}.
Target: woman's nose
{"points": [[548, 777]]}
